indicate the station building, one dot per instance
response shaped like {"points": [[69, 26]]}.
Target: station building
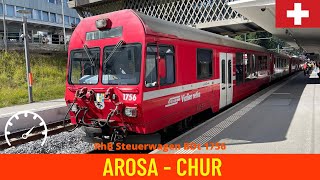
{"points": [[44, 21]]}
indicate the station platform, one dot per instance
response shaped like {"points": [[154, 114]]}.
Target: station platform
{"points": [[50, 111], [283, 118]]}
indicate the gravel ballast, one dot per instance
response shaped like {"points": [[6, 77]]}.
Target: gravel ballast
{"points": [[62, 143]]}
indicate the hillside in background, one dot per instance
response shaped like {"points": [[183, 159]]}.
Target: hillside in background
{"points": [[48, 71]]}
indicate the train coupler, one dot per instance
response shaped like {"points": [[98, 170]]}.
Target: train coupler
{"points": [[118, 134], [97, 135]]}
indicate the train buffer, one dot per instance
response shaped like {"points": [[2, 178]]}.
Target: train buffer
{"points": [[282, 118]]}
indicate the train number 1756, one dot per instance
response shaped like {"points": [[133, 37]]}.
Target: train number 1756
{"points": [[129, 97]]}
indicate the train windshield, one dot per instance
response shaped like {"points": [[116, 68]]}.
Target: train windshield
{"points": [[84, 66], [122, 65]]}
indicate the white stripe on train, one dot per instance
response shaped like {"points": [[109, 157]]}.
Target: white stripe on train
{"points": [[179, 89]]}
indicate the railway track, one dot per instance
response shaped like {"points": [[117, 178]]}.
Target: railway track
{"points": [[16, 138]]}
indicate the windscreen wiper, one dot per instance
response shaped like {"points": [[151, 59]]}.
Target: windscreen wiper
{"points": [[85, 47], [118, 45]]}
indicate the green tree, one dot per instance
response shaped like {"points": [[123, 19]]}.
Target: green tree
{"points": [[260, 38]]}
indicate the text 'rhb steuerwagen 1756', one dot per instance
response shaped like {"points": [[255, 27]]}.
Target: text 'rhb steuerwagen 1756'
{"points": [[165, 147], [130, 76]]}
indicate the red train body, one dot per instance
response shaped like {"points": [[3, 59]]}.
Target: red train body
{"points": [[133, 74]]}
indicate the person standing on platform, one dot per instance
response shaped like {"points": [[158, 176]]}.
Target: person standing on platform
{"points": [[309, 67], [305, 67]]}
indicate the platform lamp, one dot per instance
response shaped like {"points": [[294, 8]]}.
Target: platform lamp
{"points": [[5, 42], [26, 51], [64, 26]]}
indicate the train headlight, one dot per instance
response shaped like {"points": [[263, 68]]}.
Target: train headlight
{"points": [[102, 23], [131, 111]]}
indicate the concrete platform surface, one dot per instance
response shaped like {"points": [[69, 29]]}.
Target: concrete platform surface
{"points": [[283, 118], [50, 111]]}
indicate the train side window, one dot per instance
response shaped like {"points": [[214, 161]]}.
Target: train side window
{"points": [[247, 63], [167, 52], [254, 67], [259, 65], [151, 76], [266, 64], [239, 68], [204, 63], [229, 72], [223, 69], [284, 63]]}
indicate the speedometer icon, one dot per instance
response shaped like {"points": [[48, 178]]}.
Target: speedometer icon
{"points": [[31, 118]]}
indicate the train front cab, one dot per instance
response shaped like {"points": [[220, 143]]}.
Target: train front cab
{"points": [[105, 79]]}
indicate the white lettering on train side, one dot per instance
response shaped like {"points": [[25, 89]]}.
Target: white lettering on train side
{"points": [[196, 95], [186, 97], [183, 98]]}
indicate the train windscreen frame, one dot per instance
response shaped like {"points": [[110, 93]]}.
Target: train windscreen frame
{"points": [[124, 65], [84, 66]]}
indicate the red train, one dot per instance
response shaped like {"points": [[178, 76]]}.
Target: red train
{"points": [[130, 74]]}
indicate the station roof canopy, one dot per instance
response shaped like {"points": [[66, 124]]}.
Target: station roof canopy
{"points": [[213, 16], [263, 12]]}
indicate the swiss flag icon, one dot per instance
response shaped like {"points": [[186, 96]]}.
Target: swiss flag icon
{"points": [[297, 13]]}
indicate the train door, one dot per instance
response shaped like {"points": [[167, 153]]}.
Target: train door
{"points": [[226, 80]]}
